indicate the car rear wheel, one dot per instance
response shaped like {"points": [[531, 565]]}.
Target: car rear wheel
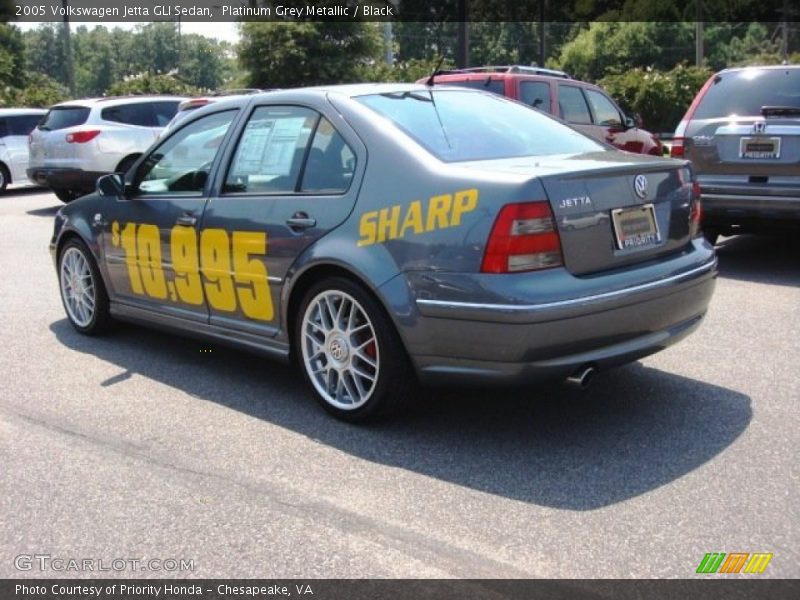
{"points": [[350, 352], [65, 196], [82, 290], [4, 178], [711, 235]]}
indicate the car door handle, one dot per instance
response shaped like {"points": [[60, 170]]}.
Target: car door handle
{"points": [[187, 219], [300, 221]]}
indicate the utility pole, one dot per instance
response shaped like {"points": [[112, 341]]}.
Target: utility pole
{"points": [[462, 36], [70, 74], [698, 36], [542, 33], [785, 30]]}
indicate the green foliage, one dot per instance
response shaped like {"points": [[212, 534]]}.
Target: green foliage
{"points": [[306, 53], [40, 91], [147, 83], [660, 97], [607, 48], [12, 64], [408, 71]]}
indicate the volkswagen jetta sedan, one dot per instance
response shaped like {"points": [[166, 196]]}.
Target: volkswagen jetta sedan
{"points": [[383, 235]]}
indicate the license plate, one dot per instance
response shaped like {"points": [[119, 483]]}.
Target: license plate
{"points": [[635, 227], [760, 147]]}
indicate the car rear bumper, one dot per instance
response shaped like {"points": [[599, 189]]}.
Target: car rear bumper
{"points": [[64, 178], [731, 204], [493, 343]]}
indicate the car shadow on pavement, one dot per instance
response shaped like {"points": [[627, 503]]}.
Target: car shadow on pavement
{"points": [[768, 259], [50, 211], [635, 430]]}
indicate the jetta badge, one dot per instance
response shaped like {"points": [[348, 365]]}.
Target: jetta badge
{"points": [[640, 186]]}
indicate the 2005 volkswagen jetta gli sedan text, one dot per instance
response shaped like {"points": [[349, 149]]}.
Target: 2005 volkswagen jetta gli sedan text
{"points": [[383, 235]]}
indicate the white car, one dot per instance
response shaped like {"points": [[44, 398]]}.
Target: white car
{"points": [[15, 126], [81, 140]]}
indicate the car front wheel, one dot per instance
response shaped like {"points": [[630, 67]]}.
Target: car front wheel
{"points": [[82, 290], [350, 352]]}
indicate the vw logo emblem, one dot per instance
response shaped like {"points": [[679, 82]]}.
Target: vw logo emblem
{"points": [[338, 349], [640, 186]]}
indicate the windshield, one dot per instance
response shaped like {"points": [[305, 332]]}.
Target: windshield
{"points": [[743, 93], [462, 125]]}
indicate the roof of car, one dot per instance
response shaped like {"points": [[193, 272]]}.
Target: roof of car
{"points": [[507, 70], [758, 67], [114, 100], [13, 112]]}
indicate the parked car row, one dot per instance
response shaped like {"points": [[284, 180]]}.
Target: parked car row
{"points": [[15, 126]]}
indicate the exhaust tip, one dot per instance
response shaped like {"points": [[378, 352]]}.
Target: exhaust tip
{"points": [[582, 378]]}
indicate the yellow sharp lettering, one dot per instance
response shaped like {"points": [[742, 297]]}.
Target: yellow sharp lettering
{"points": [[413, 219], [387, 226], [465, 201], [438, 207], [367, 228]]}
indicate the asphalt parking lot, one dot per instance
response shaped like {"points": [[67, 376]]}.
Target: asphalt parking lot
{"points": [[143, 445]]}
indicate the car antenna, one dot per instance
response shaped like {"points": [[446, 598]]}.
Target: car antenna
{"points": [[429, 82]]}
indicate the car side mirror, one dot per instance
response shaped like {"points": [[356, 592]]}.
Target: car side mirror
{"points": [[630, 122], [112, 185]]}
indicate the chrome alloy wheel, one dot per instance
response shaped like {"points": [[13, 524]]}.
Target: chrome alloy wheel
{"points": [[340, 349], [77, 287]]}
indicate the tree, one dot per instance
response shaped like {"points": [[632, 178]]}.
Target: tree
{"points": [[12, 57], [289, 54], [148, 83]]}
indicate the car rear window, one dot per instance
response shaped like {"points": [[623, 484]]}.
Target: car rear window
{"points": [[497, 86], [23, 124], [744, 92], [456, 125], [62, 117]]}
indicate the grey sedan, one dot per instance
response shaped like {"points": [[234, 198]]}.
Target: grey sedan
{"points": [[383, 236]]}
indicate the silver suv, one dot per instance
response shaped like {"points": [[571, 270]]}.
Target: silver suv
{"points": [[742, 134], [80, 140], [15, 126]]}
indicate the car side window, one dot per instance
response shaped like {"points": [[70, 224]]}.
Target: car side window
{"points": [[181, 164], [139, 113], [535, 94], [3, 128], [271, 151], [605, 112], [572, 105], [330, 163], [164, 111]]}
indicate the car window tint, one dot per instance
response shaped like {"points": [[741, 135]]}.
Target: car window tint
{"points": [[572, 105], [330, 163], [497, 86], [3, 128], [605, 112], [164, 111], [139, 113], [181, 164], [23, 124], [535, 94], [270, 152], [62, 117], [743, 93], [460, 125]]}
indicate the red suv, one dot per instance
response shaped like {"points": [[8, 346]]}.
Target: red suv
{"points": [[584, 106]]}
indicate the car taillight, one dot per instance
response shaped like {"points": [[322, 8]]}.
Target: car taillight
{"points": [[524, 238], [81, 137], [677, 149], [696, 212]]}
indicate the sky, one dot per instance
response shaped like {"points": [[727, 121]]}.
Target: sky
{"points": [[224, 30]]}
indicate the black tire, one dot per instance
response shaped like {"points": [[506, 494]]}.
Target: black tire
{"points": [[5, 178], [125, 164], [711, 235], [366, 334], [100, 319], [66, 196]]}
